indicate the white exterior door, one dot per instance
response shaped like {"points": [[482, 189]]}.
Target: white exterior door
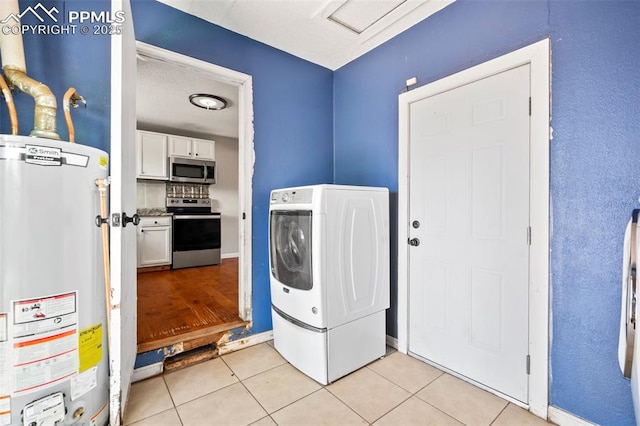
{"points": [[122, 350], [469, 209]]}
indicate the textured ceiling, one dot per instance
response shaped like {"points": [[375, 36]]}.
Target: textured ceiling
{"points": [[330, 33], [162, 101]]}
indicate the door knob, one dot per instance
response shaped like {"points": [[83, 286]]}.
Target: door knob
{"points": [[414, 242], [135, 219]]}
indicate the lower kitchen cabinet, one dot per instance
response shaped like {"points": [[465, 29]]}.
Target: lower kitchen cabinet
{"points": [[154, 241]]}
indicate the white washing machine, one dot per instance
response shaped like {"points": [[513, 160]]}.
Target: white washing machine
{"points": [[329, 257]]}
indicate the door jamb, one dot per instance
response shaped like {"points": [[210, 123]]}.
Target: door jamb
{"points": [[246, 157], [538, 56]]}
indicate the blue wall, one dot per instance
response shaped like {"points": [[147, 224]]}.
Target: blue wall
{"points": [[596, 143], [62, 61], [293, 121], [297, 106]]}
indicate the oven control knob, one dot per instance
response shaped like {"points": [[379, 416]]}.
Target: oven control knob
{"points": [[285, 197]]}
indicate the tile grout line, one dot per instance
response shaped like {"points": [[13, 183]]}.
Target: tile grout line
{"points": [[500, 413], [381, 376], [291, 403], [175, 407], [256, 400], [415, 394], [345, 404]]}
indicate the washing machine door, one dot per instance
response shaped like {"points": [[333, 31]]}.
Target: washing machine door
{"points": [[290, 240]]}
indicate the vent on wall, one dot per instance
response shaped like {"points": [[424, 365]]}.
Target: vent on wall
{"points": [[360, 15]]}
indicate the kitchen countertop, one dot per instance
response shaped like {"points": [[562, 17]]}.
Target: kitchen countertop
{"points": [[156, 211]]}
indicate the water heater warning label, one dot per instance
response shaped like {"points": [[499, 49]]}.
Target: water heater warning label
{"points": [[90, 345], [5, 372], [5, 410], [45, 341]]}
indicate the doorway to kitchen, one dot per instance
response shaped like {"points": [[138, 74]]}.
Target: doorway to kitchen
{"points": [[183, 308]]}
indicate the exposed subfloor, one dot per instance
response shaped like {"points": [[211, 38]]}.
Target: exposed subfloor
{"points": [[257, 386], [190, 306]]}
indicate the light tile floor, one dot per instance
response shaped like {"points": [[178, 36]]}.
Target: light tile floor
{"points": [[256, 386]]}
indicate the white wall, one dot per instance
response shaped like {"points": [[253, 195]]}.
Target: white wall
{"points": [[225, 193]]}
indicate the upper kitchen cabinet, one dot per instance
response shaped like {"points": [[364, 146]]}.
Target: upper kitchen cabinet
{"points": [[152, 156], [180, 146]]}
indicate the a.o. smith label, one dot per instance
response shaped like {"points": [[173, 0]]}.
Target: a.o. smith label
{"points": [[43, 155]]}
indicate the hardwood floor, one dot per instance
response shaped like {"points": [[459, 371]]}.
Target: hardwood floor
{"points": [[191, 304]]}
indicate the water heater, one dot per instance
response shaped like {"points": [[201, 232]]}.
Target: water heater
{"points": [[53, 320]]}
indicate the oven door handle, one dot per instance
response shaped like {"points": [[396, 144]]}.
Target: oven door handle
{"points": [[196, 216]]}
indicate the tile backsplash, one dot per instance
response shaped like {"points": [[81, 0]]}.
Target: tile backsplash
{"points": [[150, 195]]}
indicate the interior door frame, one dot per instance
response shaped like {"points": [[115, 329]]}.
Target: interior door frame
{"points": [[538, 56], [122, 247], [246, 157]]}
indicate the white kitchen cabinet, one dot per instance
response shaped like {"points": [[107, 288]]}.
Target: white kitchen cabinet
{"points": [[152, 156], [180, 146], [154, 241], [205, 150]]}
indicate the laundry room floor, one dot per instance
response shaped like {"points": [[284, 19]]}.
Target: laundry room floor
{"points": [[256, 386]]}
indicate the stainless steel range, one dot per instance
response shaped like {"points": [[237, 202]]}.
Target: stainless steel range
{"points": [[196, 232]]}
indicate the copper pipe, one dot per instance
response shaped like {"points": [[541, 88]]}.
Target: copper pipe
{"points": [[8, 97], [44, 119], [71, 99], [15, 71], [102, 188]]}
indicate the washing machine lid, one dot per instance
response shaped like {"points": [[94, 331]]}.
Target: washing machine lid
{"points": [[290, 241]]}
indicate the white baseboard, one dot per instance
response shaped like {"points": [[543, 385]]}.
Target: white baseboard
{"points": [[563, 418], [229, 255], [236, 345], [147, 371]]}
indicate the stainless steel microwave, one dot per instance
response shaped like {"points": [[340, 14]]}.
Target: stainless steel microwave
{"points": [[188, 170]]}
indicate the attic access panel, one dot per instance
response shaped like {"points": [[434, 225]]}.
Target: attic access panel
{"points": [[359, 15]]}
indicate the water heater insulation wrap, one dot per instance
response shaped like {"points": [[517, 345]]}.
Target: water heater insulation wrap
{"points": [[53, 337]]}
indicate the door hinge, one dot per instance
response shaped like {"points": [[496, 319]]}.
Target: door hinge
{"points": [[528, 364], [528, 235], [244, 215], [529, 106]]}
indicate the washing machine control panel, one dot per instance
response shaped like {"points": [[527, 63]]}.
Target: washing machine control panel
{"points": [[292, 196]]}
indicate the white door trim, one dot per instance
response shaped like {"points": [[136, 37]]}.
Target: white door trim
{"points": [[246, 157], [538, 56]]}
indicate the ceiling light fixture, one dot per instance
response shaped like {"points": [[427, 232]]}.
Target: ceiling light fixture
{"points": [[207, 101]]}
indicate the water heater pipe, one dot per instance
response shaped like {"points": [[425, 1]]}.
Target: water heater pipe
{"points": [[102, 188], [15, 71], [71, 99], [8, 98]]}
